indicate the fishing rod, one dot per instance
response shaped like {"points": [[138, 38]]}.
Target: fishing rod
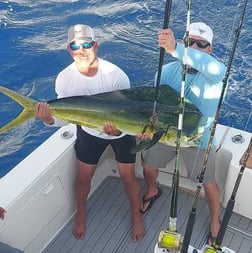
{"points": [[231, 202], [168, 6], [175, 183], [167, 15], [153, 118], [170, 239], [191, 219]]}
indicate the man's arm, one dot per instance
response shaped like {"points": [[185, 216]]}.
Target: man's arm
{"points": [[2, 212], [208, 65]]}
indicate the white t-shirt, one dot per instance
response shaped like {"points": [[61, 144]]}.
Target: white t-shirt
{"points": [[109, 77]]}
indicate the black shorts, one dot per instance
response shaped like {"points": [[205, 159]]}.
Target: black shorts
{"points": [[89, 148]]}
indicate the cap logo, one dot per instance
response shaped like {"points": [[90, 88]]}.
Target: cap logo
{"points": [[202, 31], [80, 32], [77, 30]]}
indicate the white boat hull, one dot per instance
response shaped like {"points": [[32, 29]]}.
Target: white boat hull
{"points": [[38, 192]]}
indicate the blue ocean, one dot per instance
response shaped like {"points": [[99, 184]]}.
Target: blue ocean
{"points": [[33, 37]]}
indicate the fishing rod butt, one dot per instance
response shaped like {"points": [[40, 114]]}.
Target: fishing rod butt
{"points": [[188, 232], [224, 222]]}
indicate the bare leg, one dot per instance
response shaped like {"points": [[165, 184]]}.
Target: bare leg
{"points": [[82, 188], [127, 173], [150, 177], [213, 199]]}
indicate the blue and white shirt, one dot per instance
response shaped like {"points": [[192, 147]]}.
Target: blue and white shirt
{"points": [[203, 88]]}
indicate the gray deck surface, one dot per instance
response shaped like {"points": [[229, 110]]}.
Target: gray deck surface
{"points": [[108, 224]]}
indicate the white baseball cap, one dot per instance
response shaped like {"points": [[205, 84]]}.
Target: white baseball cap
{"points": [[202, 30], [83, 32]]}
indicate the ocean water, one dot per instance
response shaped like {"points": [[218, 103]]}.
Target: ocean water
{"points": [[33, 37]]}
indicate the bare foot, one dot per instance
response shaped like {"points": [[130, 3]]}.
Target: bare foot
{"points": [[79, 226], [138, 228], [214, 229]]}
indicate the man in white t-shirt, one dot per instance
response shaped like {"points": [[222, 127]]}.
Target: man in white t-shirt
{"points": [[89, 75]]}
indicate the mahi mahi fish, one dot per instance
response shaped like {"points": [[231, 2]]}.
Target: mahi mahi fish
{"points": [[131, 110]]}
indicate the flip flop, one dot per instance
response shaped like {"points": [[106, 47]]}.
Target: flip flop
{"points": [[210, 239], [151, 200]]}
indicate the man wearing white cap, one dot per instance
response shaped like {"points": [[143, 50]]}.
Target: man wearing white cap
{"points": [[89, 75], [203, 87]]}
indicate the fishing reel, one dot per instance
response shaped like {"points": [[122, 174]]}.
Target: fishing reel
{"points": [[169, 242], [165, 250], [210, 249]]}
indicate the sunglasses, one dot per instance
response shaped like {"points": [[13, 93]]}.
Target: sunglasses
{"points": [[199, 43], [86, 45]]}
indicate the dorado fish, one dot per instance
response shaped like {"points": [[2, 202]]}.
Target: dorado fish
{"points": [[131, 110]]}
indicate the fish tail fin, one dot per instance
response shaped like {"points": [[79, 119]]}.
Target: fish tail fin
{"points": [[22, 117], [27, 103]]}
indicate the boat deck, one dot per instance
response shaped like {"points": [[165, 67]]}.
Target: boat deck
{"points": [[108, 224]]}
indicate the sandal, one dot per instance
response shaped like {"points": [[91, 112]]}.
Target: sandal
{"points": [[150, 200], [210, 239]]}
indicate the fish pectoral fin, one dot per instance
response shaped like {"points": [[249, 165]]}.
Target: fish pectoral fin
{"points": [[146, 144], [156, 137], [142, 145]]}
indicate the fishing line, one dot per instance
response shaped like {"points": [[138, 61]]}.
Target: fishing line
{"points": [[191, 219], [249, 117], [234, 18]]}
